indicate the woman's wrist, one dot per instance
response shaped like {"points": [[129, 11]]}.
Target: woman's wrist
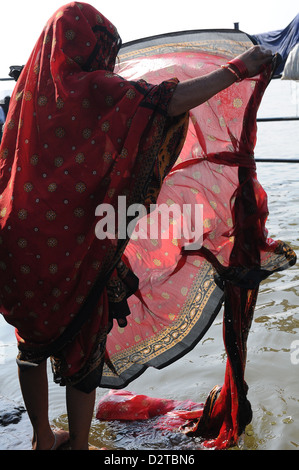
{"points": [[232, 72], [238, 68]]}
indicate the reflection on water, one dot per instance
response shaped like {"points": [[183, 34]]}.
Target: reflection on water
{"points": [[271, 374]]}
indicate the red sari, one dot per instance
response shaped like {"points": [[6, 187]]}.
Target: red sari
{"points": [[76, 136]]}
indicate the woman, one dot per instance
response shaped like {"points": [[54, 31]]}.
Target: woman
{"points": [[78, 136]]}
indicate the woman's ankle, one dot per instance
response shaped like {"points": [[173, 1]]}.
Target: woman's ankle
{"points": [[43, 440]]}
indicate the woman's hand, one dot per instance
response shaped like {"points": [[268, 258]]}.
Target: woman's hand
{"points": [[254, 58]]}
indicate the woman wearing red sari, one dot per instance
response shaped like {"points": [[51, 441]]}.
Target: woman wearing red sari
{"points": [[77, 136]]}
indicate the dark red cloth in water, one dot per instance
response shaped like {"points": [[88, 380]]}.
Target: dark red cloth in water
{"points": [[126, 406]]}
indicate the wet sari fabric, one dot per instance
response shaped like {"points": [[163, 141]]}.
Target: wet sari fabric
{"points": [[181, 289]]}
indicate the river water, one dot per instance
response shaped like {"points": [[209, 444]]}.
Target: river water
{"points": [[272, 370]]}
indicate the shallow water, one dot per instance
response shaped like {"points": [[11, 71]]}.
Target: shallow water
{"points": [[272, 370]]}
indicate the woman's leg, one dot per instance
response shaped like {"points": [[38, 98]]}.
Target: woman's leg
{"points": [[34, 387], [80, 407]]}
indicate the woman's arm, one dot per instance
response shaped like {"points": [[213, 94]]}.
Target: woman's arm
{"points": [[193, 92]]}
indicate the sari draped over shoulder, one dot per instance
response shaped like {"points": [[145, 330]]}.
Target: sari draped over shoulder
{"points": [[77, 136]]}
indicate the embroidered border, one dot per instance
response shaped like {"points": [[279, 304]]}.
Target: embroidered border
{"points": [[147, 352]]}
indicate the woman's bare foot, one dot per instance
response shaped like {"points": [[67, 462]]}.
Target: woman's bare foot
{"points": [[62, 438], [59, 439]]}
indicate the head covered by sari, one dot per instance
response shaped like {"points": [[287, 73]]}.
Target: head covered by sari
{"points": [[77, 136]]}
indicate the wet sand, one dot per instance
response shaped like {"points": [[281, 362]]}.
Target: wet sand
{"points": [[15, 427]]}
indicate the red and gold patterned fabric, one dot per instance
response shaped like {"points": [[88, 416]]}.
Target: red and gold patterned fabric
{"points": [[180, 289]]}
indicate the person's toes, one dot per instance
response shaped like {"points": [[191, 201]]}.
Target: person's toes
{"points": [[61, 439]]}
